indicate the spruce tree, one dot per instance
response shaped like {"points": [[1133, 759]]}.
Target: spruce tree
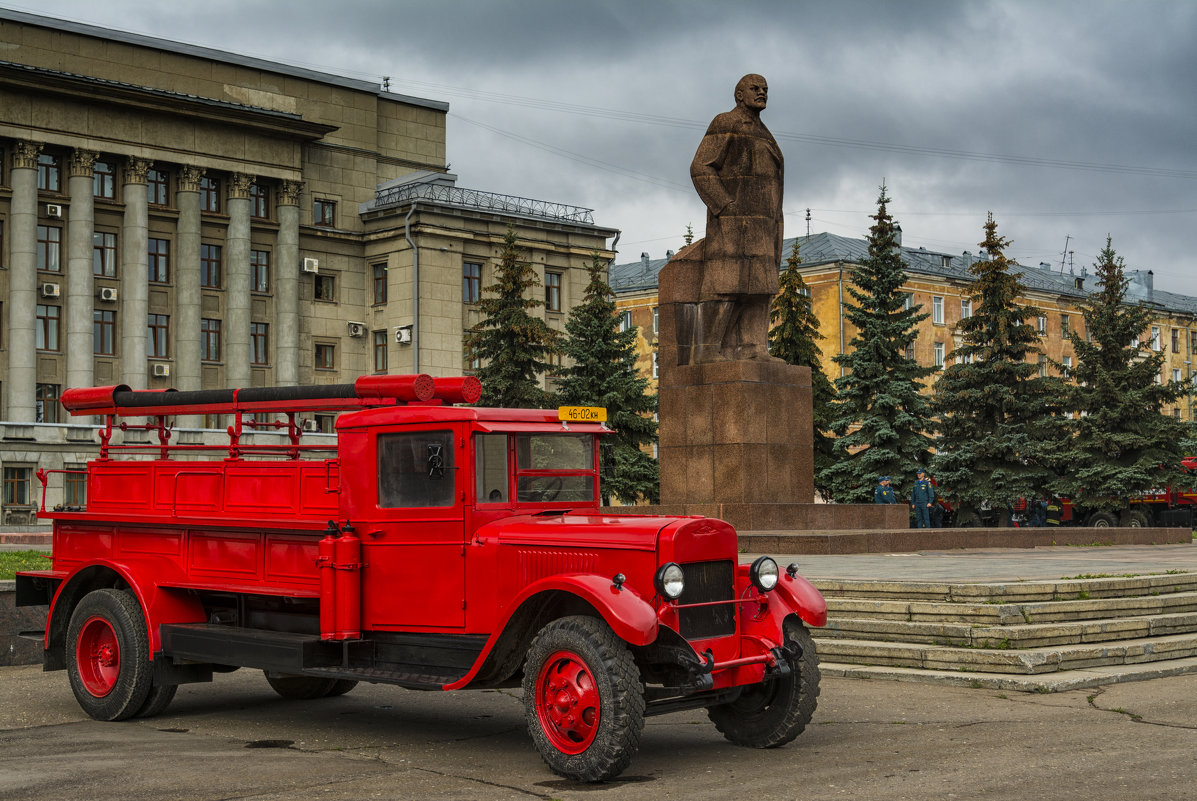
{"points": [[513, 345], [997, 418], [604, 373], [1122, 442], [879, 415], [794, 337]]}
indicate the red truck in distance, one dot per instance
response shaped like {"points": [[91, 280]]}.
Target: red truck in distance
{"points": [[431, 545]]}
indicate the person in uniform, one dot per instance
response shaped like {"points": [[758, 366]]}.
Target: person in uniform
{"points": [[884, 492], [1054, 507], [922, 498]]}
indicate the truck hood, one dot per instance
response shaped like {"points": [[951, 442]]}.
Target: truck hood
{"points": [[636, 532]]}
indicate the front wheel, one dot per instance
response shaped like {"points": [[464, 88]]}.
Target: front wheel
{"points": [[108, 655], [583, 699], [1102, 520], [772, 713]]}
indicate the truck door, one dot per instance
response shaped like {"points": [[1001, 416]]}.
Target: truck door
{"points": [[414, 551]]}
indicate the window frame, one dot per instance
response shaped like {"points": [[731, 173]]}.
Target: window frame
{"points": [[211, 265], [158, 261], [259, 271], [259, 201], [48, 331], [209, 192], [380, 342], [44, 413], [327, 348], [49, 248], [103, 332], [49, 173], [937, 316], [103, 254], [324, 212], [379, 276], [158, 187], [553, 284], [321, 280], [210, 339], [471, 281], [259, 344], [157, 336], [103, 181]]}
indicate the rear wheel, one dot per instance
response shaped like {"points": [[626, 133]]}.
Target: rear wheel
{"points": [[340, 687], [158, 700], [583, 699], [1102, 520], [300, 688], [108, 655], [774, 712], [1137, 518]]}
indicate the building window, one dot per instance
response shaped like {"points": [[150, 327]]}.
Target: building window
{"points": [[966, 358], [103, 180], [157, 345], [74, 486], [380, 283], [17, 481], [552, 292], [625, 320], [471, 288], [1192, 342], [209, 194], [259, 201], [103, 254], [210, 340], [326, 287], [259, 344], [966, 308], [937, 310], [470, 359], [49, 176], [1042, 321], [324, 213], [1176, 413], [1042, 366], [103, 332], [47, 327], [159, 261], [910, 351], [380, 351], [159, 188], [654, 320], [1155, 338], [1176, 340], [1176, 374], [1065, 326], [259, 270], [210, 266], [939, 354], [656, 366], [907, 301], [326, 423], [1066, 364], [326, 356], [49, 248], [47, 403]]}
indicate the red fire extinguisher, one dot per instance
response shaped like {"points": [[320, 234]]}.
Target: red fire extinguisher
{"points": [[339, 559]]}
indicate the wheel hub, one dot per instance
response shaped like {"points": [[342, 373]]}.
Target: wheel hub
{"points": [[98, 656], [567, 702]]}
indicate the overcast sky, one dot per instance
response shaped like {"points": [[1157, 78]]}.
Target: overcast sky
{"points": [[1065, 119]]}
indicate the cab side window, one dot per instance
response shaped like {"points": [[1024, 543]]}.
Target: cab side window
{"points": [[416, 469], [490, 454]]}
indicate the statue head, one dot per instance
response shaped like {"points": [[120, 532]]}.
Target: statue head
{"points": [[752, 92]]}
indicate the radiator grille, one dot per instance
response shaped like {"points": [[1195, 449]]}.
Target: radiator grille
{"points": [[708, 581]]}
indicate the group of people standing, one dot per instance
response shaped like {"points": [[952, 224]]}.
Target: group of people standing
{"points": [[927, 513]]}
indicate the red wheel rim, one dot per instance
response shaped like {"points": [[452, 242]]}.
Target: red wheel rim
{"points": [[567, 702], [98, 656]]}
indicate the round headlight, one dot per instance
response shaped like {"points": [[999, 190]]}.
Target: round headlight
{"points": [[764, 573], [670, 580]]}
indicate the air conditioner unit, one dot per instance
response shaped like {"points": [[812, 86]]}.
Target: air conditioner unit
{"points": [[161, 370], [53, 210], [403, 335], [310, 425], [357, 329], [108, 293], [311, 265], [50, 291]]}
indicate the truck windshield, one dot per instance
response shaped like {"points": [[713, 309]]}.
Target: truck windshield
{"points": [[554, 467]]}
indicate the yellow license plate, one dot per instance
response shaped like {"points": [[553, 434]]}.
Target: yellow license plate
{"points": [[582, 414]]}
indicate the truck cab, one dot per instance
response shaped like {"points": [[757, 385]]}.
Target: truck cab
{"points": [[436, 545]]}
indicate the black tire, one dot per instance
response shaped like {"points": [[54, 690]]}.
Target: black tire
{"points": [[583, 699], [772, 713], [1137, 518], [340, 687], [1102, 520], [300, 688], [158, 700], [108, 655]]}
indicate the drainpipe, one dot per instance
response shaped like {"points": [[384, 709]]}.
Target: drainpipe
{"points": [[841, 315], [415, 295]]}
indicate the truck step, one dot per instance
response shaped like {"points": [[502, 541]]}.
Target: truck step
{"points": [[415, 677]]}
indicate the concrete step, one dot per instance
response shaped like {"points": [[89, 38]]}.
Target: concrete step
{"points": [[966, 635], [1005, 614], [1026, 661], [1011, 592]]}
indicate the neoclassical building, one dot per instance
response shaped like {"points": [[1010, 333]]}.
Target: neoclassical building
{"points": [[177, 216]]}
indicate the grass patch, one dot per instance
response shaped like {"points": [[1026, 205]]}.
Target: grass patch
{"points": [[12, 561]]}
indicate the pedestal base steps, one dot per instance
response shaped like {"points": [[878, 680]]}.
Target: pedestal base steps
{"points": [[1033, 636]]}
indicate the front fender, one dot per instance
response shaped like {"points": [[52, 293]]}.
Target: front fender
{"points": [[630, 616], [803, 598]]}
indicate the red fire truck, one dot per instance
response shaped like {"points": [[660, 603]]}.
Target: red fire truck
{"points": [[431, 545]]}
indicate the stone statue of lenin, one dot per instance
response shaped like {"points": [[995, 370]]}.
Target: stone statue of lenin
{"points": [[738, 172]]}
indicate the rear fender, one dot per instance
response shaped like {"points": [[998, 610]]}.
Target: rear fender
{"points": [[158, 605]]}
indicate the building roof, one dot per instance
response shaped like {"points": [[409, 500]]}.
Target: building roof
{"points": [[826, 248], [215, 55]]}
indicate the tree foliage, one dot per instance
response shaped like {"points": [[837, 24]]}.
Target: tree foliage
{"points": [[879, 415], [604, 373], [1122, 441], [997, 418], [514, 345], [794, 337]]}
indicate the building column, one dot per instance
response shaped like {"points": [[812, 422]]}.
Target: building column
{"points": [[236, 263], [22, 284], [135, 269], [80, 303], [187, 281], [286, 282]]}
